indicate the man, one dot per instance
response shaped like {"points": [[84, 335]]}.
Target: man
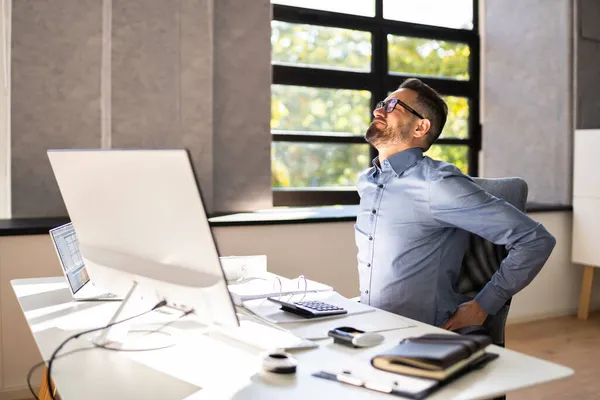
{"points": [[415, 215]]}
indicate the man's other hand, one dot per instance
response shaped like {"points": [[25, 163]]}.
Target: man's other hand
{"points": [[467, 314]]}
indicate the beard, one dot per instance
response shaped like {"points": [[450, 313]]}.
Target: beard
{"points": [[389, 135]]}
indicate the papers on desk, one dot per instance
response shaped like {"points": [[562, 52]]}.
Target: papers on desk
{"points": [[271, 285], [271, 312]]}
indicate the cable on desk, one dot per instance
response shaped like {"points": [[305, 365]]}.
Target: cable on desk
{"points": [[76, 336]]}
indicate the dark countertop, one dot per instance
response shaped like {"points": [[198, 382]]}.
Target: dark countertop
{"points": [[296, 215]]}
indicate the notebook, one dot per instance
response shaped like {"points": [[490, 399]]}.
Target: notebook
{"points": [[433, 356]]}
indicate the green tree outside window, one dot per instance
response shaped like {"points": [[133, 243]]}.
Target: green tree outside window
{"points": [[323, 111]]}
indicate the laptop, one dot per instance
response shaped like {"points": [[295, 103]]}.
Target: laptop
{"points": [[67, 248]]}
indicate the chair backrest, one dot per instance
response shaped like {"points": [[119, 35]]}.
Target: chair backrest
{"points": [[483, 257]]}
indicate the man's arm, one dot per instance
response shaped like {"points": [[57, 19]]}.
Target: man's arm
{"points": [[456, 201]]}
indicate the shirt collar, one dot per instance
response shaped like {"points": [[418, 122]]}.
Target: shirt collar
{"points": [[401, 161]]}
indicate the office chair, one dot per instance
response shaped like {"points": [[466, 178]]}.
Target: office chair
{"points": [[482, 258]]}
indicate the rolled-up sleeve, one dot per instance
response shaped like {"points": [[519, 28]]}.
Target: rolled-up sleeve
{"points": [[456, 201]]}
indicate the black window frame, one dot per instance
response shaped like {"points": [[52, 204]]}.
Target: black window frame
{"points": [[379, 82]]}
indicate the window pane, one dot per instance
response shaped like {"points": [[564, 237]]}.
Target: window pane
{"points": [[428, 57], [315, 46], [317, 164], [298, 108], [457, 124], [454, 154], [447, 13], [356, 7]]}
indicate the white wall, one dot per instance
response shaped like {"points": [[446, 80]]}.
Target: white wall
{"points": [[555, 291], [323, 252]]}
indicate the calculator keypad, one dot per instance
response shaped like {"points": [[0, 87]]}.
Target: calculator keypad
{"points": [[318, 306]]}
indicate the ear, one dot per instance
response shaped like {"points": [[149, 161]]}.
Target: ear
{"points": [[422, 128]]}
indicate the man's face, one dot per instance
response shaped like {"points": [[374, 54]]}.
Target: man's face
{"points": [[395, 127]]}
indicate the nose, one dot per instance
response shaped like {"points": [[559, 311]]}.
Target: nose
{"points": [[379, 112]]}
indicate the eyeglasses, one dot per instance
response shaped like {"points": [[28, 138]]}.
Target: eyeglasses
{"points": [[390, 106]]}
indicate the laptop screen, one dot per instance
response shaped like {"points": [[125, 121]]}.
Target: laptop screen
{"points": [[67, 247]]}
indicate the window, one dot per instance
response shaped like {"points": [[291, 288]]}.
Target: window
{"points": [[316, 46], [425, 57], [317, 165], [319, 111], [451, 14], [356, 7], [333, 60]]}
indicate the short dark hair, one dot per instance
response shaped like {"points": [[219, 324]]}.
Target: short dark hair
{"points": [[431, 105]]}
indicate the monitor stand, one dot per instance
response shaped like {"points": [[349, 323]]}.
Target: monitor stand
{"points": [[252, 331], [121, 337]]}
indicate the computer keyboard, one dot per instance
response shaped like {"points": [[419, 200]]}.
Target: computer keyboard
{"points": [[265, 338]]}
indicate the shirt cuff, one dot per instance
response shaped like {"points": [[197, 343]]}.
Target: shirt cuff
{"points": [[489, 300]]}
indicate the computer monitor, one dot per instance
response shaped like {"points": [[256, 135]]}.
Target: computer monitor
{"points": [[141, 222]]}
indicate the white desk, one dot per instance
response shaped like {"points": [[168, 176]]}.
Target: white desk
{"points": [[201, 367]]}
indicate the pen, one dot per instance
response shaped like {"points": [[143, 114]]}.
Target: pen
{"points": [[347, 378]]}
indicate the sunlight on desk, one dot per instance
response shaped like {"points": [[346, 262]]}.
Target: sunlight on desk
{"points": [[22, 290], [205, 366]]}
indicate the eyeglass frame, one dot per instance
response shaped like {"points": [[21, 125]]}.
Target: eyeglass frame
{"points": [[393, 102]]}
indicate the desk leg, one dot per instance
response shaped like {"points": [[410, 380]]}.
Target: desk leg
{"points": [[586, 292], [44, 393]]}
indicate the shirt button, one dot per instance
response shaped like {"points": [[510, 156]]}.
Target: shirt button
{"points": [[366, 292], [369, 265], [380, 186], [374, 211], [370, 237]]}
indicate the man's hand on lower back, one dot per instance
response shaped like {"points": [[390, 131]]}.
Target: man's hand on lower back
{"points": [[467, 314]]}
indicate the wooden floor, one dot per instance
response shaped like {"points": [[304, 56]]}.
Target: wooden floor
{"points": [[567, 341]]}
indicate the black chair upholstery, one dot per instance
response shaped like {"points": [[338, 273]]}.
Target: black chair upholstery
{"points": [[482, 258]]}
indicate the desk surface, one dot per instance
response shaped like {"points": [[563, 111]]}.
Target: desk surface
{"points": [[203, 367]]}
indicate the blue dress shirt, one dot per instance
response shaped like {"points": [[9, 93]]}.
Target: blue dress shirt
{"points": [[412, 233]]}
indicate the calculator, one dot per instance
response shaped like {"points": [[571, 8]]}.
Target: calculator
{"points": [[309, 309]]}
